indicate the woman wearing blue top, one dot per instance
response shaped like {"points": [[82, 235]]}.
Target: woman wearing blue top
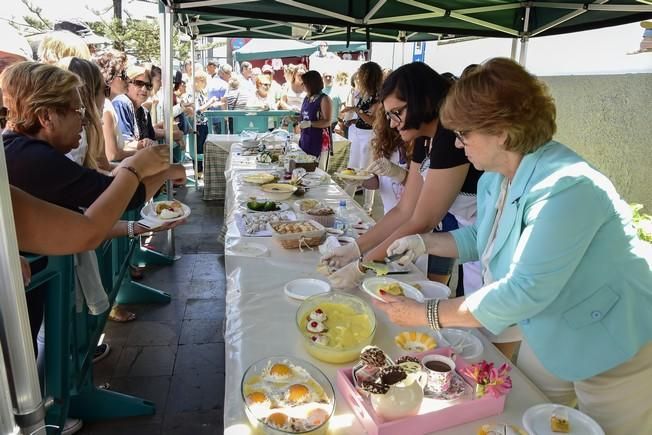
{"points": [[560, 255]]}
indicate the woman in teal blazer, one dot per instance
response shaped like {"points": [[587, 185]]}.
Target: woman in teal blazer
{"points": [[560, 256]]}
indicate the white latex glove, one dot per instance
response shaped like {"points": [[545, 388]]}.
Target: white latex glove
{"points": [[384, 166], [410, 246], [347, 277], [305, 124], [342, 255]]}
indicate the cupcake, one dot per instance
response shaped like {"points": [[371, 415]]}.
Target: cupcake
{"points": [[323, 215]]}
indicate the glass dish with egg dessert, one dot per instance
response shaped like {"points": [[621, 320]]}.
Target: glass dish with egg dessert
{"points": [[335, 326], [285, 395]]}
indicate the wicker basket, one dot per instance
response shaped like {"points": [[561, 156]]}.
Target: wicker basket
{"points": [[308, 166], [298, 240]]}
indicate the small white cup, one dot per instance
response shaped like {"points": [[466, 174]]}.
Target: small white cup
{"points": [[440, 371]]}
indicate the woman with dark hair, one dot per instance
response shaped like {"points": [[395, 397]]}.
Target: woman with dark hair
{"points": [[368, 82], [315, 114], [391, 160], [440, 191]]}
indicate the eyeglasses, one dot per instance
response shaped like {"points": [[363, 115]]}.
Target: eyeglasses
{"points": [[81, 111], [107, 90], [141, 84], [459, 134], [395, 115], [3, 117]]}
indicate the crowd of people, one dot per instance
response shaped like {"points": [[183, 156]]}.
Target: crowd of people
{"points": [[553, 272]]}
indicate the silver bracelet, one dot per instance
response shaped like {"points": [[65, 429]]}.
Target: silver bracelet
{"points": [[130, 230], [432, 314]]}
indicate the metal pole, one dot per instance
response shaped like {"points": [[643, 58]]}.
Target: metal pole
{"points": [[512, 55], [194, 118], [168, 119], [524, 39], [15, 333], [7, 423]]}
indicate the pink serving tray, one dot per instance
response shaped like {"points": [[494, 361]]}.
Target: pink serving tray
{"points": [[457, 413]]}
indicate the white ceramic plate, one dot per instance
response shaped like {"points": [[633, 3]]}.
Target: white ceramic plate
{"points": [[281, 205], [305, 287], [373, 285], [354, 177], [259, 178], [248, 249], [465, 344], [432, 289], [149, 212], [536, 420]]}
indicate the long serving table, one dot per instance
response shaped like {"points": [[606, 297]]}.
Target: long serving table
{"points": [[260, 318]]}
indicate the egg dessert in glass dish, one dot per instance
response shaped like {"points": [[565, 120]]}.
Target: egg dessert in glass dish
{"points": [[284, 395], [335, 326]]}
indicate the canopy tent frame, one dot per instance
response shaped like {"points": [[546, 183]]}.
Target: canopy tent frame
{"points": [[422, 19]]}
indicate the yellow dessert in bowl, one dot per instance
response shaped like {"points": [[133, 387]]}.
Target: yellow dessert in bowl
{"points": [[336, 326]]}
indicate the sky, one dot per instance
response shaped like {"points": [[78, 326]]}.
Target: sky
{"points": [[57, 9], [602, 51]]}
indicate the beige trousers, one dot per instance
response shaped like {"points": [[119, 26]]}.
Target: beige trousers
{"points": [[620, 399]]}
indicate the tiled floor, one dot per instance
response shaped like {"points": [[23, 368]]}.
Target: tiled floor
{"points": [[173, 354]]}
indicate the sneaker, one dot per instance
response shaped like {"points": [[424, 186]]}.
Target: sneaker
{"points": [[72, 425], [101, 352]]}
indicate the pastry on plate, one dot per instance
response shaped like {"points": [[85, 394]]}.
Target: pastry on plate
{"points": [[559, 421], [168, 209]]}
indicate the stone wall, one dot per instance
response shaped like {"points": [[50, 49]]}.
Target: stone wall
{"points": [[608, 120]]}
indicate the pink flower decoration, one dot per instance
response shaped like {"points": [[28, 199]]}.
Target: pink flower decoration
{"points": [[493, 380]]}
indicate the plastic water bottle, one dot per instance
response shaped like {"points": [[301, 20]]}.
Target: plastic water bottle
{"points": [[340, 216]]}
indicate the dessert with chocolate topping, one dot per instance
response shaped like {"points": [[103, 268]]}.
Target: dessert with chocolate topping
{"points": [[406, 358], [391, 375], [374, 356], [374, 387]]}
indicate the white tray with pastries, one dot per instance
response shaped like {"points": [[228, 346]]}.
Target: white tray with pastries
{"points": [[294, 234]]}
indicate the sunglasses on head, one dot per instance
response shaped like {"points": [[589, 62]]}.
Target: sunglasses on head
{"points": [[122, 76], [140, 84]]}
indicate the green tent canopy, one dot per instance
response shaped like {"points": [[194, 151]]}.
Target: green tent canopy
{"points": [[400, 20]]}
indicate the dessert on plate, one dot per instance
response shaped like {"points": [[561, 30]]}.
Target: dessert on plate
{"points": [[168, 209]]}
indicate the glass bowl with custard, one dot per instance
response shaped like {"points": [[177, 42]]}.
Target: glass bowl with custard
{"points": [[335, 326]]}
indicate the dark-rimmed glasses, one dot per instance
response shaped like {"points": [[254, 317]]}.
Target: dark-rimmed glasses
{"points": [[3, 117], [460, 135], [395, 115], [107, 90], [141, 84]]}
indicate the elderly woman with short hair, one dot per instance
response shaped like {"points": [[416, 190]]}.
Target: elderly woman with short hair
{"points": [[560, 256]]}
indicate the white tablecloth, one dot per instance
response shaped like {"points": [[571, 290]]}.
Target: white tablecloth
{"points": [[260, 318]]}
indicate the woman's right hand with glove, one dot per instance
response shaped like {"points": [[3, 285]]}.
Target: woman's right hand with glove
{"points": [[342, 255], [410, 246], [385, 167]]}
